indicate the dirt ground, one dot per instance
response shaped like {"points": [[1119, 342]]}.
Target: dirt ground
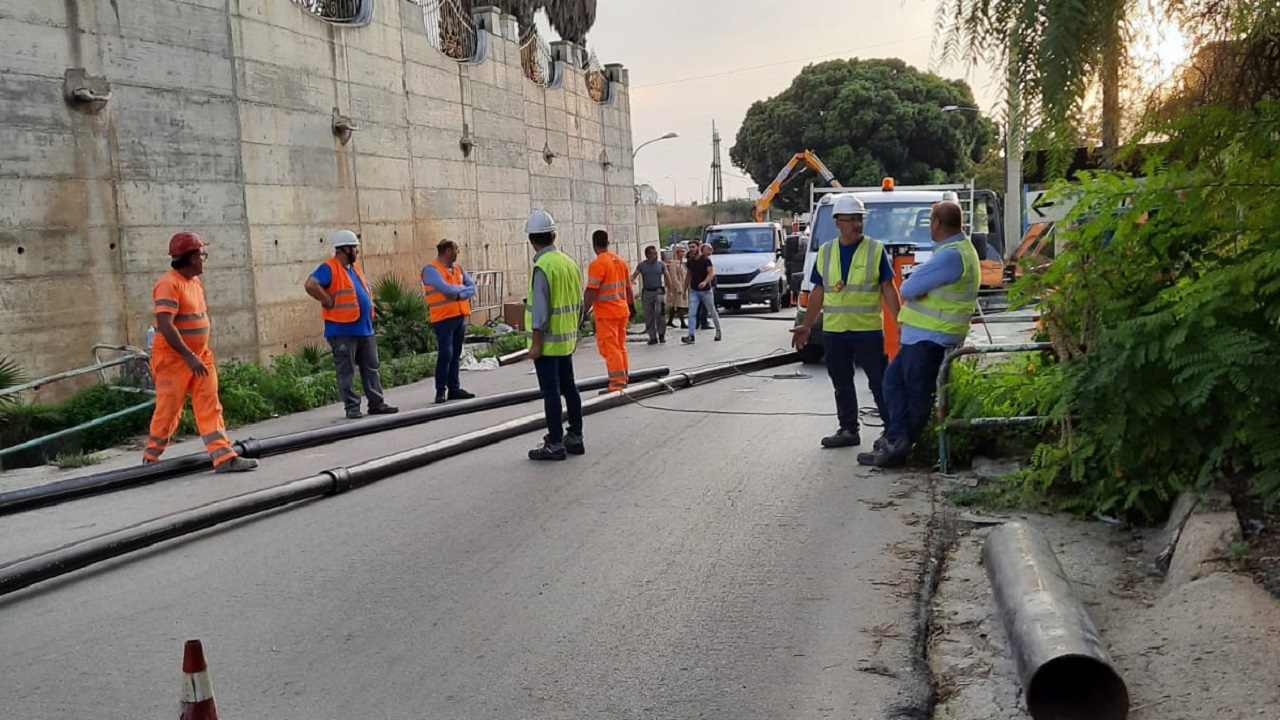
{"points": [[1207, 650], [1261, 533]]}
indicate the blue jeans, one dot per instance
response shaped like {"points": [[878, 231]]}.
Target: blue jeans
{"points": [[702, 299], [555, 378], [449, 335], [910, 384], [843, 351]]}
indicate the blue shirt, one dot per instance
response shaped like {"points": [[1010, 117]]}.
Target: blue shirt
{"points": [[360, 328], [846, 260], [943, 268], [431, 276]]}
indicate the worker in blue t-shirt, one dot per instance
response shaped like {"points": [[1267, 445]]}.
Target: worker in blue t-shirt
{"points": [[852, 277]]}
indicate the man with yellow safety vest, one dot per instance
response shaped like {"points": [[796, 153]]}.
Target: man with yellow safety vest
{"points": [[552, 315], [851, 278], [611, 299], [938, 301], [347, 309], [181, 361], [448, 289]]}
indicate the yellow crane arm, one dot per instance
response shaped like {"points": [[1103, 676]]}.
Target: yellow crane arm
{"points": [[808, 158]]}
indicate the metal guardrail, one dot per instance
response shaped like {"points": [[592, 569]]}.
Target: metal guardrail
{"points": [[129, 356], [490, 290], [944, 396]]}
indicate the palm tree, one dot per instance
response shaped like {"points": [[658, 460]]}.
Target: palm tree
{"points": [[572, 19]]}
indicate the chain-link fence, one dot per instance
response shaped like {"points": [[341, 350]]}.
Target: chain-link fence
{"points": [[449, 28]]}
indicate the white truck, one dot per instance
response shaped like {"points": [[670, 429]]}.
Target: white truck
{"points": [[899, 218], [748, 262]]}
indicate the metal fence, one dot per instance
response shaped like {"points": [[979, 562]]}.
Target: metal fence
{"points": [[449, 29], [490, 291], [342, 12], [597, 83], [535, 57]]}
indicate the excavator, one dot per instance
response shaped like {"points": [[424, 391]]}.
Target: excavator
{"points": [[808, 158]]}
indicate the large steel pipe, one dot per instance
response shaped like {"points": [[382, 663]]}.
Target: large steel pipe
{"points": [[1065, 671], [113, 480], [45, 566]]}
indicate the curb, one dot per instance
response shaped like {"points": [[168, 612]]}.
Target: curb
{"points": [[1196, 541]]}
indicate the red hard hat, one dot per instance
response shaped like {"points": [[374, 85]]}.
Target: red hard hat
{"points": [[185, 242]]}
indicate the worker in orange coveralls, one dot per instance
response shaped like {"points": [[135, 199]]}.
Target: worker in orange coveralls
{"points": [[609, 296], [181, 361]]}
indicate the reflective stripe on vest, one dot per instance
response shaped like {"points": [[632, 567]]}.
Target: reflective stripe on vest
{"points": [[565, 281], [346, 305], [947, 309], [441, 307], [851, 304]]}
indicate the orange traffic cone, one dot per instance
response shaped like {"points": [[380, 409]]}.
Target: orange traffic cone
{"points": [[197, 688]]}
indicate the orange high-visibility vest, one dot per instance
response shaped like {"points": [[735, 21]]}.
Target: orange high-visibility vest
{"points": [[182, 297], [346, 306], [442, 308], [609, 276]]}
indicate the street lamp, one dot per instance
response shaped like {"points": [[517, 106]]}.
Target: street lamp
{"points": [[675, 197], [1012, 183], [668, 136]]}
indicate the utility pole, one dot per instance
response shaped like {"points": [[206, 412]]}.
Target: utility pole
{"points": [[1013, 154], [717, 179]]}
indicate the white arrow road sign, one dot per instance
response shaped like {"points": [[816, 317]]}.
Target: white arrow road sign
{"points": [[1040, 210]]}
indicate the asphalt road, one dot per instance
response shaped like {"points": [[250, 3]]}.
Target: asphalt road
{"points": [[705, 559]]}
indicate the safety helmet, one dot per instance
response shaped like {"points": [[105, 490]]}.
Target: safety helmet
{"points": [[540, 222], [848, 205], [185, 242], [345, 238]]}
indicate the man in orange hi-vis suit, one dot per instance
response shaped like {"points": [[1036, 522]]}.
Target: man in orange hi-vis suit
{"points": [[609, 296], [181, 361]]}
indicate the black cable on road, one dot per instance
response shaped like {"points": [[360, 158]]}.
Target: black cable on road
{"points": [[113, 480], [46, 566]]}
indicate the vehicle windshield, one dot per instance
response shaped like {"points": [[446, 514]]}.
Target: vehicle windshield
{"points": [[741, 240], [902, 222]]}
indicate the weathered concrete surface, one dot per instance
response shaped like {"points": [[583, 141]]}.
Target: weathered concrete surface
{"points": [[1209, 649], [220, 120]]}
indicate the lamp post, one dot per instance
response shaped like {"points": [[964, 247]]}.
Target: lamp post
{"points": [[675, 197], [1012, 180], [668, 136]]}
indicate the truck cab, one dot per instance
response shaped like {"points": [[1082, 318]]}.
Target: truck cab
{"points": [[899, 218], [748, 263]]}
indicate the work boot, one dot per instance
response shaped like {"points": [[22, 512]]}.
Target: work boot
{"points": [[880, 442], [573, 444], [687, 340], [237, 464], [354, 414], [887, 457], [384, 409], [844, 437], [548, 451], [460, 394]]}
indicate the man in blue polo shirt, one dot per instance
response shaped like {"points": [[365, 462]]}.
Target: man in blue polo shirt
{"points": [[851, 278]]}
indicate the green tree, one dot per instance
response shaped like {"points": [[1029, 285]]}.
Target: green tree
{"points": [[866, 119]]}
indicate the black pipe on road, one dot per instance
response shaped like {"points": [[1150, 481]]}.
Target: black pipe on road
{"points": [[113, 480], [46, 566], [1065, 671]]}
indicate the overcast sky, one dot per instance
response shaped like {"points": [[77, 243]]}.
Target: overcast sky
{"points": [[672, 46]]}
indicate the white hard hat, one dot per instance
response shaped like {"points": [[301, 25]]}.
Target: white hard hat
{"points": [[848, 205], [540, 222], [344, 238]]}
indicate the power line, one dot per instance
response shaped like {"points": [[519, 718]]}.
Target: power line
{"points": [[782, 62]]}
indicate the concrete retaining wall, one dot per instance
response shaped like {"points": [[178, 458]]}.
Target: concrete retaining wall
{"points": [[220, 120]]}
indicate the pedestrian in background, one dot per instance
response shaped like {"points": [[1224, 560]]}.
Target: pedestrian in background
{"points": [[552, 315], [938, 300], [448, 289], [702, 274], [654, 281], [699, 313], [609, 296], [347, 309], [677, 288], [181, 361]]}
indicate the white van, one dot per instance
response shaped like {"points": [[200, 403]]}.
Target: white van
{"points": [[748, 262]]}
